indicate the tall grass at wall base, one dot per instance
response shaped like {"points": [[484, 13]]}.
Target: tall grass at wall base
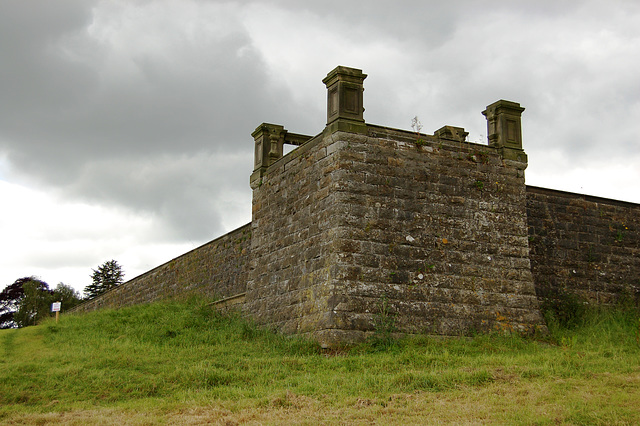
{"points": [[181, 362], [568, 317]]}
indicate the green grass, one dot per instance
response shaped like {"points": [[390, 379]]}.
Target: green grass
{"points": [[181, 362]]}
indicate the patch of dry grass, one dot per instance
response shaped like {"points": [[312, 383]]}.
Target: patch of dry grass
{"points": [[608, 400], [180, 364]]}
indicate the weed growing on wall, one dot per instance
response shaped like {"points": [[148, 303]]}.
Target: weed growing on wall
{"points": [[385, 324], [416, 125], [619, 232], [561, 308], [478, 157]]}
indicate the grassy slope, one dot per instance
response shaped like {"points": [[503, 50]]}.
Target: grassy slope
{"points": [[183, 363]]}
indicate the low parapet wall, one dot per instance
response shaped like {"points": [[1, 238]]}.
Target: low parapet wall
{"points": [[217, 269], [588, 246]]}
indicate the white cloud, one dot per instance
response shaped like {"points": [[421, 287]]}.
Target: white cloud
{"points": [[59, 240]]}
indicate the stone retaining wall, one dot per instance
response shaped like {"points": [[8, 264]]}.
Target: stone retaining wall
{"points": [[293, 247], [216, 269], [364, 228], [431, 234], [585, 245]]}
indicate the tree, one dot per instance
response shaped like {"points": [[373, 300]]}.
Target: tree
{"points": [[107, 276], [67, 295], [28, 300], [21, 303], [9, 299], [35, 303]]}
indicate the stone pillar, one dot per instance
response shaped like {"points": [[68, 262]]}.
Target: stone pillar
{"points": [[504, 129], [269, 140], [344, 100]]}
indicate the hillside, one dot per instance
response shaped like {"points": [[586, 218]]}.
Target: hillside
{"points": [[181, 362]]}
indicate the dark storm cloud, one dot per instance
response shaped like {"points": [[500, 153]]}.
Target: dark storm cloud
{"points": [[35, 78], [129, 122], [189, 194], [67, 108]]}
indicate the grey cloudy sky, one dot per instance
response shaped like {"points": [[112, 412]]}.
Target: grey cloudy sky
{"points": [[125, 125]]}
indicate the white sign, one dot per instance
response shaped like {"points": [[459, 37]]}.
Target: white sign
{"points": [[55, 306]]}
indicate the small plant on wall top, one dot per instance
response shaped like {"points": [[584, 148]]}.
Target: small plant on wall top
{"points": [[478, 157], [416, 125]]}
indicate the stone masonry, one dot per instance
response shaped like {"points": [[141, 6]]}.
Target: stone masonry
{"points": [[364, 227], [364, 222], [216, 269], [588, 246]]}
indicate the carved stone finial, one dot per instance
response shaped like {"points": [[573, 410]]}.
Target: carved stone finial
{"points": [[344, 100], [504, 128], [268, 139]]}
